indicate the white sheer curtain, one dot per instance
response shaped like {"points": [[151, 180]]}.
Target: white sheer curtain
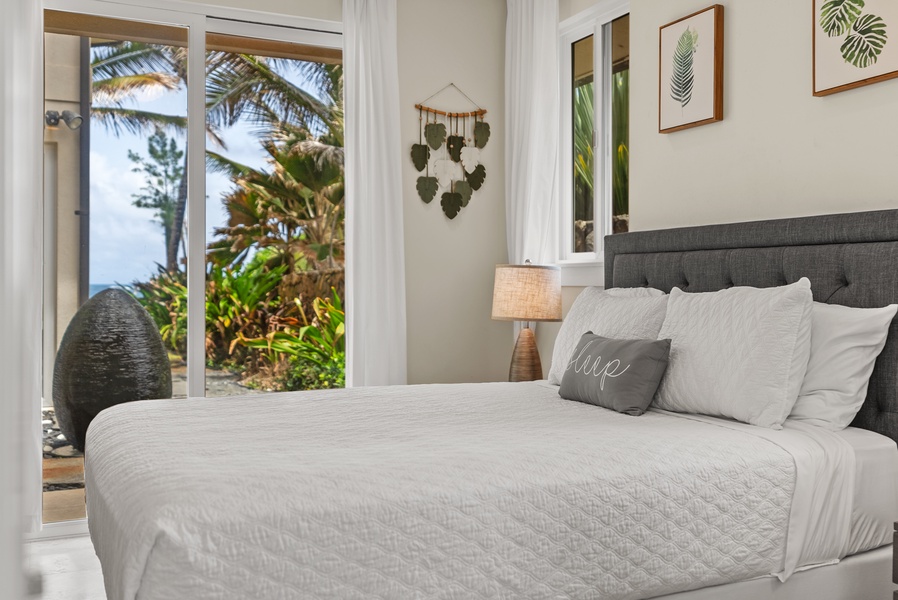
{"points": [[375, 254], [531, 131], [20, 280]]}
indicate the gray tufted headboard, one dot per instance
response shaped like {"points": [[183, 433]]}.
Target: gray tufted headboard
{"points": [[851, 259]]}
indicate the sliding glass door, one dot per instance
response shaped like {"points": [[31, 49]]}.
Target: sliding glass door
{"points": [[194, 165]]}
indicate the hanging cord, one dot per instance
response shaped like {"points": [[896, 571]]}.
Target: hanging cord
{"points": [[475, 113], [446, 87]]}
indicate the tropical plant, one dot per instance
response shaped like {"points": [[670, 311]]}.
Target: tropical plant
{"points": [[584, 109], [240, 302], [620, 143], [164, 297], [163, 172], [320, 341], [682, 79], [297, 205]]}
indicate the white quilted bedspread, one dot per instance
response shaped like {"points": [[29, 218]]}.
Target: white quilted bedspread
{"points": [[445, 491]]}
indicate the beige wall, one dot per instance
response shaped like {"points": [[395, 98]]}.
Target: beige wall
{"points": [[450, 264], [779, 152]]}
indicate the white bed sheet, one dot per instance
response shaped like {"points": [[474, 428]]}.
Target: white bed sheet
{"points": [[480, 490], [875, 509]]}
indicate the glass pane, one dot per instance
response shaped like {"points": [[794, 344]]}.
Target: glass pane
{"points": [[115, 199], [274, 263], [620, 124], [583, 111]]}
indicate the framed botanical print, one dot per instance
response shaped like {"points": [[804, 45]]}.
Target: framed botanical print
{"points": [[855, 43], [690, 85]]}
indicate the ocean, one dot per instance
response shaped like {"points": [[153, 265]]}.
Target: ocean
{"points": [[96, 288]]}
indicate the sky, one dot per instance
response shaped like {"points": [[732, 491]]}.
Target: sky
{"points": [[126, 242]]}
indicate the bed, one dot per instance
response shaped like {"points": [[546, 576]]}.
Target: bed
{"points": [[505, 490]]}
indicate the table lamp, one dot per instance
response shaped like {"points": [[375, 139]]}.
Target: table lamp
{"points": [[526, 293]]}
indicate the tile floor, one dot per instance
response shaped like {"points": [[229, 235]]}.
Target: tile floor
{"points": [[69, 568]]}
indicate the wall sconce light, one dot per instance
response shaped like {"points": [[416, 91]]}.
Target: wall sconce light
{"points": [[72, 121]]}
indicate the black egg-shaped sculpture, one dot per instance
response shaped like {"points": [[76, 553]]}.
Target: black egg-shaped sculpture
{"points": [[111, 353]]}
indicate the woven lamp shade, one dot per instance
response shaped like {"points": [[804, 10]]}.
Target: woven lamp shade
{"points": [[527, 293]]}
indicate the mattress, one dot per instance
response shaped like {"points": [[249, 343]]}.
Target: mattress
{"points": [[452, 491]]}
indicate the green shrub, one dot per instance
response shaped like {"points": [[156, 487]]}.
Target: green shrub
{"points": [[305, 375], [164, 296]]}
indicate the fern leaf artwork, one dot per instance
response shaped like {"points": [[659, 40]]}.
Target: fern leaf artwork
{"points": [[682, 79], [837, 16], [868, 37]]}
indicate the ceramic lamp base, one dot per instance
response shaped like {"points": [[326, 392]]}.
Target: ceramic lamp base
{"points": [[525, 365]]}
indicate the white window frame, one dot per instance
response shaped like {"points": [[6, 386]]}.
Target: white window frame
{"points": [[200, 19], [586, 268]]}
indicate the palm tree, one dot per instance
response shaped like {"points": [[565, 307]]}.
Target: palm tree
{"points": [[236, 84]]}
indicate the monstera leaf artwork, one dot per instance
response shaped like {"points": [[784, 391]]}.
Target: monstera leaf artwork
{"points": [[837, 16], [476, 177], [683, 78], [455, 144], [435, 134], [451, 203], [866, 42], [851, 44], [428, 188]]}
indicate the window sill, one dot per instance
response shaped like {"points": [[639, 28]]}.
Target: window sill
{"points": [[582, 273]]}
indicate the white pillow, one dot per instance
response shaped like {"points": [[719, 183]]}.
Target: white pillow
{"points": [[618, 313], [739, 353], [845, 342]]}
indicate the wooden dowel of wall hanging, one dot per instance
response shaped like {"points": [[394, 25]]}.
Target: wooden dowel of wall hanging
{"points": [[477, 113]]}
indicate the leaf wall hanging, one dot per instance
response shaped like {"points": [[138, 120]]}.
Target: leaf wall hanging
{"points": [[420, 156], [455, 144], [682, 79], [447, 171], [451, 203], [470, 158], [451, 158], [463, 189], [435, 134], [481, 134], [476, 177], [428, 188]]}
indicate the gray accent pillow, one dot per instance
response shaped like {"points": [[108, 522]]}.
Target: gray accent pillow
{"points": [[622, 375]]}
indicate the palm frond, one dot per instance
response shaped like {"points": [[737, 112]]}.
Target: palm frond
{"points": [[114, 90], [129, 58], [242, 85], [138, 122]]}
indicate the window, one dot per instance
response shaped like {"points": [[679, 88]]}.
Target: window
{"points": [[595, 74]]}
